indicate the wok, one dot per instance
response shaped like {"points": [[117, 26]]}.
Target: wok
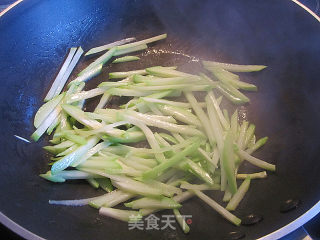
{"points": [[34, 39]]}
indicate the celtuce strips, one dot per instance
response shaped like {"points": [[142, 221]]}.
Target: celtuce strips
{"points": [[186, 145]]}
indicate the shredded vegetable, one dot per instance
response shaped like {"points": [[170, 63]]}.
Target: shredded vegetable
{"points": [[191, 144]]}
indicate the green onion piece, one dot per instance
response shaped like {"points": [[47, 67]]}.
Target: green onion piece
{"points": [[238, 196], [126, 59]]}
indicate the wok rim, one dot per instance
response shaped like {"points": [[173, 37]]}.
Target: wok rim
{"points": [[281, 232]]}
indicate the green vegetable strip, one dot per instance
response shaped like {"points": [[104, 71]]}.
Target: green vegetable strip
{"points": [[145, 41], [93, 183], [168, 138], [54, 124], [252, 175], [67, 151], [109, 45], [179, 198], [101, 60], [180, 114], [234, 124], [68, 72], [227, 195], [111, 199], [257, 145], [150, 137], [178, 157], [67, 175], [255, 161], [178, 137], [181, 221], [80, 116], [126, 59], [199, 171], [234, 91], [215, 124], [207, 157], [249, 135], [160, 203], [103, 101], [200, 187], [84, 95], [229, 163], [123, 215], [234, 67], [226, 116], [75, 138], [161, 141], [46, 123], [130, 50], [151, 121], [154, 108], [128, 92], [238, 196], [160, 71], [136, 187], [72, 157], [218, 111], [223, 212], [201, 115], [167, 102], [126, 74], [105, 184], [96, 70], [242, 134], [62, 71], [228, 94], [215, 156], [155, 81], [46, 109]]}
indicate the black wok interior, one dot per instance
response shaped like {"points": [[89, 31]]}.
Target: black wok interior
{"points": [[35, 37]]}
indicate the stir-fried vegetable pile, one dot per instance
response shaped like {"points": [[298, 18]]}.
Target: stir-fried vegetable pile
{"points": [[192, 145]]}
